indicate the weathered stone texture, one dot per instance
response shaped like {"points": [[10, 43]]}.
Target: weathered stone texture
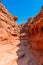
{"points": [[20, 44]]}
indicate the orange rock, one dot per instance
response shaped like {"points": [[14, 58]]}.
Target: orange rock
{"points": [[14, 39], [36, 32]]}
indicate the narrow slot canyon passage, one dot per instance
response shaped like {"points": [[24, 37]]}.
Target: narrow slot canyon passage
{"points": [[20, 44]]}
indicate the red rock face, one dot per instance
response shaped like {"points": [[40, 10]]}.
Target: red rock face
{"points": [[36, 35], [36, 32], [17, 42]]}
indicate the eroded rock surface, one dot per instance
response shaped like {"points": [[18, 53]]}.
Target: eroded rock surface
{"points": [[9, 38], [20, 44]]}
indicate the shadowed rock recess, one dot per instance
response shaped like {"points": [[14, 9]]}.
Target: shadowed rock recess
{"points": [[20, 44]]}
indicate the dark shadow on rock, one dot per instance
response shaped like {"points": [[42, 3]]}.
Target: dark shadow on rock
{"points": [[22, 53]]}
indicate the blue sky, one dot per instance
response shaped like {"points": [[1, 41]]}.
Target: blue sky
{"points": [[23, 9]]}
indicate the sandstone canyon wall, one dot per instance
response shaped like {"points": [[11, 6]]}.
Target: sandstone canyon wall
{"points": [[20, 44], [8, 37]]}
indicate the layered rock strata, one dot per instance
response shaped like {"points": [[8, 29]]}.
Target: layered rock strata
{"points": [[20, 44]]}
